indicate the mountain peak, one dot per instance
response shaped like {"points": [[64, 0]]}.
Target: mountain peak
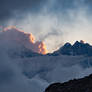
{"points": [[82, 41], [79, 42], [78, 48], [67, 44]]}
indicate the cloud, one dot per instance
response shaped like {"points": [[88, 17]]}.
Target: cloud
{"points": [[12, 78], [19, 8], [52, 21], [9, 8], [56, 29], [15, 38]]}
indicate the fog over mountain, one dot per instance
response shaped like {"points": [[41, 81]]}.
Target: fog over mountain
{"points": [[24, 69], [44, 42]]}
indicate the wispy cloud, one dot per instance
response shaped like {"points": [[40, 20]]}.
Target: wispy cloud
{"points": [[57, 22]]}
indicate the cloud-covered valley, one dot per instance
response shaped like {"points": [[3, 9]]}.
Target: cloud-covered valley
{"points": [[35, 73], [42, 26]]}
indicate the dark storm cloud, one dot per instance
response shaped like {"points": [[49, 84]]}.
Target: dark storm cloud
{"points": [[65, 5], [8, 7], [62, 5], [19, 8], [88, 3]]}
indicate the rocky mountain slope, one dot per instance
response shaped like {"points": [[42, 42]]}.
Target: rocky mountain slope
{"points": [[76, 85], [78, 48]]}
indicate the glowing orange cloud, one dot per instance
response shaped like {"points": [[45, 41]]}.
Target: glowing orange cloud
{"points": [[41, 47], [32, 38], [12, 34]]}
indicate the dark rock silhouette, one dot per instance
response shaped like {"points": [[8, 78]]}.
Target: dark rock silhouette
{"points": [[76, 85]]}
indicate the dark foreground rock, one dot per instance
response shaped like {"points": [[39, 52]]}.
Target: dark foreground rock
{"points": [[76, 85]]}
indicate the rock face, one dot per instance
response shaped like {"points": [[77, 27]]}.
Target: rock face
{"points": [[76, 85], [78, 48]]}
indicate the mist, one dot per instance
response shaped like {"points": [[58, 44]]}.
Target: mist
{"points": [[57, 22], [12, 78]]}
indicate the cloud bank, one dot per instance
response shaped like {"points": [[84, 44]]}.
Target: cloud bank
{"points": [[12, 78], [13, 38]]}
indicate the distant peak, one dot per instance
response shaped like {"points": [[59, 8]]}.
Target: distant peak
{"points": [[67, 44], [78, 48], [78, 43], [81, 41]]}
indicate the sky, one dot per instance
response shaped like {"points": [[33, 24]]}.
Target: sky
{"points": [[52, 21]]}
